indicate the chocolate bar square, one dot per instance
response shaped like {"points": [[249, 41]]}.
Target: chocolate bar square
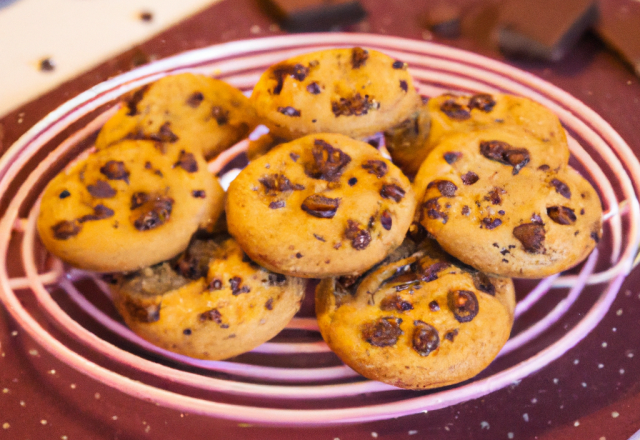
{"points": [[314, 15]]}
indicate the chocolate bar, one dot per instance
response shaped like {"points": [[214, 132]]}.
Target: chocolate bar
{"points": [[314, 15], [544, 29], [619, 27]]}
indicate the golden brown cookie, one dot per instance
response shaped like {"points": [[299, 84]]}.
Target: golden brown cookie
{"points": [[210, 303], [186, 111], [356, 92], [321, 205], [128, 206], [416, 321], [503, 209]]}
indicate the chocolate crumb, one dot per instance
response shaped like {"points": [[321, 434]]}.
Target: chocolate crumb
{"points": [[403, 85], [359, 57], [314, 88], [269, 304], [65, 193], [277, 204], [360, 238], [47, 65], [434, 306], [451, 157], [352, 181], [198, 193], [450, 335], [376, 167], [146, 16], [187, 161], [236, 286]]}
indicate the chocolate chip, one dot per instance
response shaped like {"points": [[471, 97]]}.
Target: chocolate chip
{"points": [[464, 305], [275, 183], [399, 65], [195, 99], [403, 85], [483, 283], [360, 238], [294, 157], [352, 181], [211, 315], [531, 235], [494, 196], [490, 223], [465, 210], [186, 332], [215, 284], [432, 208], [561, 215], [64, 194], [454, 110], [277, 204], [187, 161], [314, 88], [328, 162], [425, 338], [299, 255], [434, 306], [469, 178], [133, 101], [395, 302], [142, 313], [236, 286], [384, 332], [446, 188], [289, 111], [198, 193], [386, 220], [164, 134], [277, 279], [101, 190], [100, 212], [146, 16], [501, 212], [269, 304], [450, 335], [544, 167], [504, 153], [451, 157], [430, 272], [220, 115], [561, 188], [281, 71], [320, 206], [376, 167], [595, 237], [153, 213], [359, 57], [482, 101], [115, 170], [392, 191], [66, 229], [138, 199], [356, 105]]}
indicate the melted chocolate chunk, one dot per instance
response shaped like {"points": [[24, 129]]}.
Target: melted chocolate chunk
{"points": [[289, 111], [376, 167], [274, 183], [432, 208], [220, 115], [504, 153], [403, 85], [195, 99], [164, 134], [561, 188], [101, 190], [280, 72], [211, 315], [494, 196], [531, 235], [434, 306], [482, 101], [66, 229], [153, 213], [359, 57], [100, 212], [277, 204], [490, 223], [464, 305], [134, 100], [199, 193], [142, 313], [65, 193], [115, 170], [450, 335], [395, 302], [236, 286], [392, 191], [314, 88], [360, 238], [386, 220], [430, 273], [483, 283], [320, 206], [187, 161], [446, 188], [454, 110], [399, 65], [425, 338], [451, 157], [469, 178], [384, 332], [561, 215], [328, 162], [356, 105]]}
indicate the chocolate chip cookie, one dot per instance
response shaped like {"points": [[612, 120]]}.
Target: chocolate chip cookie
{"points": [[128, 206], [321, 205], [502, 207], [211, 302], [417, 321], [189, 111], [356, 92]]}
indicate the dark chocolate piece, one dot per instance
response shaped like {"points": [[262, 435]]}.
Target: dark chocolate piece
{"points": [[618, 28], [314, 15]]}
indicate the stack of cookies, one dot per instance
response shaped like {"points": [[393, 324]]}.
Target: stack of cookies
{"points": [[414, 254]]}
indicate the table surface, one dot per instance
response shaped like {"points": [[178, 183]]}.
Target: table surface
{"points": [[43, 398]]}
